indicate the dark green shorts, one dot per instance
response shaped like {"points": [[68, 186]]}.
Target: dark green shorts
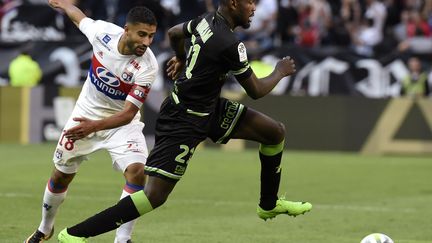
{"points": [[179, 131]]}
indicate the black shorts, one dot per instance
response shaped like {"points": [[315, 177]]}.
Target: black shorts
{"points": [[179, 131]]}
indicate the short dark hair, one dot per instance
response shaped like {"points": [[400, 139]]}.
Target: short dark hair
{"points": [[141, 14]]}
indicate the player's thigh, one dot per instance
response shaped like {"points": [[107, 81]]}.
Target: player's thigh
{"points": [[69, 154], [259, 127], [234, 120], [127, 146]]}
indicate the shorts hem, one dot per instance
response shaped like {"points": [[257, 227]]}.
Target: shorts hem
{"points": [[122, 163], [160, 175], [66, 169]]}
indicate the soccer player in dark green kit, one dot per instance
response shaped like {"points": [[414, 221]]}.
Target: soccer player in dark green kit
{"points": [[195, 111]]}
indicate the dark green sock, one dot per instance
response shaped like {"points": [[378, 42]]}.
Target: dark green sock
{"points": [[270, 156], [127, 209]]}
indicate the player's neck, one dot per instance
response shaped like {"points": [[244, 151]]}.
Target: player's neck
{"points": [[122, 47], [226, 16]]}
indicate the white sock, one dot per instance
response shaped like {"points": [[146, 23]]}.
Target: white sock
{"points": [[51, 203], [124, 232]]}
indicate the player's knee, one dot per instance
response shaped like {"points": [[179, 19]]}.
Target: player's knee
{"points": [[157, 190], [135, 175], [281, 130], [278, 134], [156, 198], [60, 180]]}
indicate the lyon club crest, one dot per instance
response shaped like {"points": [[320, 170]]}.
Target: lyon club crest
{"points": [[127, 76]]}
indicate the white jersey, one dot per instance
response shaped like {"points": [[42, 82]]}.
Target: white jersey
{"points": [[112, 77]]}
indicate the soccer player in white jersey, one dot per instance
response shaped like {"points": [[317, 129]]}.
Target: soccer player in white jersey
{"points": [[106, 115]]}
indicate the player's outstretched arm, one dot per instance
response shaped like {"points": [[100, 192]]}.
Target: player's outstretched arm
{"points": [[87, 126], [259, 87], [73, 12]]}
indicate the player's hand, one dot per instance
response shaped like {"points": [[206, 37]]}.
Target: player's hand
{"points": [[82, 130], [286, 66], [174, 67], [58, 4]]}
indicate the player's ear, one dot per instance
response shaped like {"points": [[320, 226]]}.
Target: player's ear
{"points": [[126, 28], [233, 3]]}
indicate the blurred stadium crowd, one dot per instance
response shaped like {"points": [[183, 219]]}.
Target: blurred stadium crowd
{"points": [[367, 28]]}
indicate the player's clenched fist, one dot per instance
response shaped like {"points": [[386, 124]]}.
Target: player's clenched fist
{"points": [[286, 66], [56, 3]]}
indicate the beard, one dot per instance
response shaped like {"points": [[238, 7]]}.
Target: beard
{"points": [[139, 51], [245, 25]]}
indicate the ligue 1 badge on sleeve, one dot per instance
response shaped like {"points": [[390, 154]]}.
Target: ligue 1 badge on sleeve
{"points": [[241, 48], [377, 238]]}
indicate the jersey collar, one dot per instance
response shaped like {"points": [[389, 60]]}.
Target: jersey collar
{"points": [[218, 14]]}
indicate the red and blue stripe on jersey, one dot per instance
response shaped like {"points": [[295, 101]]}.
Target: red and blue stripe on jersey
{"points": [[107, 82]]}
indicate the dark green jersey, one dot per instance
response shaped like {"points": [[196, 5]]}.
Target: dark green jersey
{"points": [[214, 53]]}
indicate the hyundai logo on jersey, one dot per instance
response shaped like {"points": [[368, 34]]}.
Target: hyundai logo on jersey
{"points": [[106, 39], [107, 77], [106, 82]]}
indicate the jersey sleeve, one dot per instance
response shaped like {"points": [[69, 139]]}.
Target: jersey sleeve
{"points": [[138, 94], [143, 82], [235, 57], [90, 27], [189, 26]]}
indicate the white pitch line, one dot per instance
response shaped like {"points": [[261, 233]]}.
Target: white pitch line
{"points": [[315, 206], [228, 203], [12, 195], [364, 208]]}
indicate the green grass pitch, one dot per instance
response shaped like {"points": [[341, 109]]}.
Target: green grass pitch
{"points": [[215, 201]]}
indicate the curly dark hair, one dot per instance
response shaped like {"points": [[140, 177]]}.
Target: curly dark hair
{"points": [[141, 14]]}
